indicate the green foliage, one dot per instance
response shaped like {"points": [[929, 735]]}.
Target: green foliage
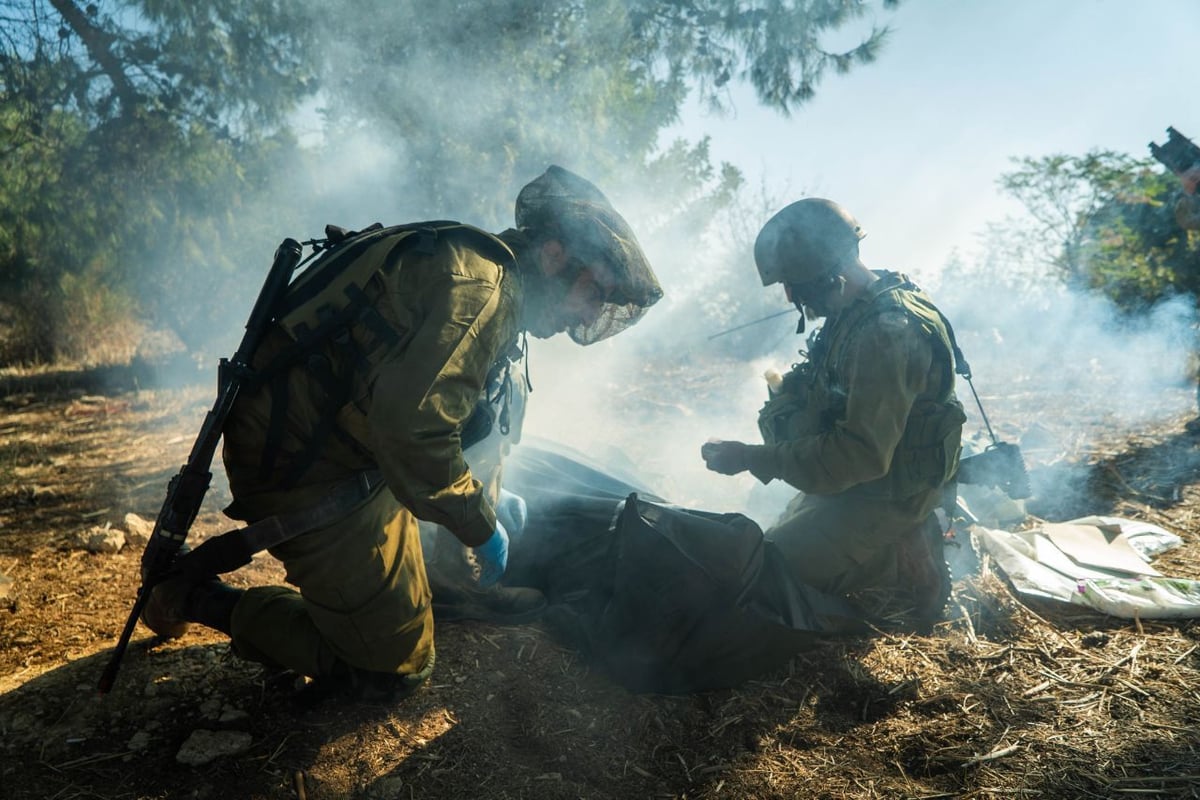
{"points": [[482, 99], [141, 214], [1104, 221], [149, 170], [1138, 254], [776, 46], [1062, 195], [224, 63], [121, 180]]}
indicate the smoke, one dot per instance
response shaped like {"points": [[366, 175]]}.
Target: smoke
{"points": [[1055, 371], [1076, 354], [646, 400]]}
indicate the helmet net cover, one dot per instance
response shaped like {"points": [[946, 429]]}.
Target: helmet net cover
{"points": [[593, 231], [806, 241]]}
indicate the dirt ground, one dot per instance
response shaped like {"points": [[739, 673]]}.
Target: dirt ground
{"points": [[1005, 698]]}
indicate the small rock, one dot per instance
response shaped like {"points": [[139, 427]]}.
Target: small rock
{"points": [[203, 747], [138, 530], [388, 786], [230, 715], [22, 722], [41, 494], [211, 707], [6, 585], [139, 742], [99, 539]]}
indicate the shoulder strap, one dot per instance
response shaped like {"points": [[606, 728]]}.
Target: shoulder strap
{"points": [[884, 297], [961, 366], [325, 302]]}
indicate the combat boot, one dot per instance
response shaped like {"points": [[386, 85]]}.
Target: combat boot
{"points": [[344, 682], [503, 605], [453, 577], [182, 599], [164, 610], [922, 570]]}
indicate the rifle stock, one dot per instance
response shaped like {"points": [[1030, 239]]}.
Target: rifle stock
{"points": [[1179, 154], [186, 490]]}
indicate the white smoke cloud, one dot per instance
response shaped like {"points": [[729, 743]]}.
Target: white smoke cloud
{"points": [[650, 397], [1054, 370]]}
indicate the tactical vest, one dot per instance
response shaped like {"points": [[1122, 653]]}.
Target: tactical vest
{"points": [[812, 397], [335, 333]]}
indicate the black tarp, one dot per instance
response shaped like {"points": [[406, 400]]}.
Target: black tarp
{"points": [[663, 598]]}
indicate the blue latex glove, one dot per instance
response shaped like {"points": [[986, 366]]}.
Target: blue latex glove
{"points": [[492, 556], [512, 510]]}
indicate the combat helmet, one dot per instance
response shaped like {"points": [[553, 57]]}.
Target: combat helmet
{"points": [[805, 241], [591, 228]]}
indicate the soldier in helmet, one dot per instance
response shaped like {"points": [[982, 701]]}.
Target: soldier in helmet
{"points": [[868, 429], [351, 436], [1187, 215], [1187, 205]]}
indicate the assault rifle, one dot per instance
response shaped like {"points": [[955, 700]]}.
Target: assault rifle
{"points": [[1179, 154], [185, 491]]}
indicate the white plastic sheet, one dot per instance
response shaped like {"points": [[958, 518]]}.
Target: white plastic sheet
{"points": [[1093, 568]]}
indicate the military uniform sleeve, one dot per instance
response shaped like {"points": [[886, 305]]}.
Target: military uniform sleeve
{"points": [[885, 367], [420, 399]]}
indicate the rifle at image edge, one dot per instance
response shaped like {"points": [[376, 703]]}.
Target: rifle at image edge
{"points": [[1179, 154], [186, 490]]}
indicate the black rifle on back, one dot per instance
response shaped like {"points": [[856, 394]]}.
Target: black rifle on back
{"points": [[1179, 154], [186, 490]]}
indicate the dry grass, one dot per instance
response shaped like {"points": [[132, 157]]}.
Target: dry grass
{"points": [[1004, 699]]}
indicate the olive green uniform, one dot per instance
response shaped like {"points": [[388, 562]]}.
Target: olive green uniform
{"points": [[447, 562], [869, 430], [453, 308], [1187, 216]]}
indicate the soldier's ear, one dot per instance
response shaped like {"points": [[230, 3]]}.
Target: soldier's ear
{"points": [[552, 257]]}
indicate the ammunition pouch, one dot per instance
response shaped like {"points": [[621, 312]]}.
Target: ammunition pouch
{"points": [[785, 415], [776, 417], [928, 453]]}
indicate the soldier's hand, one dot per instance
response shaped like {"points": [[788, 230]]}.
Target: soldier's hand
{"points": [[727, 458], [513, 512], [492, 556]]}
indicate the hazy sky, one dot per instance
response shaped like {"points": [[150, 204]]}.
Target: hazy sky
{"points": [[913, 143]]}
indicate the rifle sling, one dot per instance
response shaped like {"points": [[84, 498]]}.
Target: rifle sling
{"points": [[234, 549]]}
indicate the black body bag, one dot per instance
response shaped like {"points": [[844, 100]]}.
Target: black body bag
{"points": [[663, 598]]}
